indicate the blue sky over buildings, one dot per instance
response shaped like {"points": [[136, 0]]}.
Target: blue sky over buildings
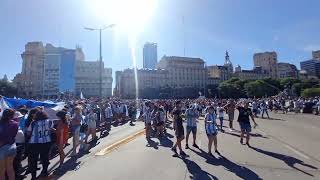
{"points": [[205, 28]]}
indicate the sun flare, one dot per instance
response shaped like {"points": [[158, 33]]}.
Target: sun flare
{"points": [[128, 15]]}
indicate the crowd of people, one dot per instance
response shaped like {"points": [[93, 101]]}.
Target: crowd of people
{"points": [[32, 134]]}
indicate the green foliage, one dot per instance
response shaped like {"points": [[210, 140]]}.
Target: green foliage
{"points": [[311, 92], [260, 88], [7, 89], [288, 82]]}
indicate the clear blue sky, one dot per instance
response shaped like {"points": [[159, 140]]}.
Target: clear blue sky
{"points": [[243, 27]]}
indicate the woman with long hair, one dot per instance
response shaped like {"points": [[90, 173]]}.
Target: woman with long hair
{"points": [[91, 120], [29, 120], [40, 142], [62, 134], [8, 149]]}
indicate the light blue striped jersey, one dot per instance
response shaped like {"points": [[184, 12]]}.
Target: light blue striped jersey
{"points": [[210, 123], [40, 131], [191, 117]]}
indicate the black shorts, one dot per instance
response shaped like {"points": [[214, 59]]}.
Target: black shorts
{"points": [[160, 123], [179, 133]]}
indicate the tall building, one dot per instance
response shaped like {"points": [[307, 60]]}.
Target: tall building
{"points": [[149, 82], [228, 63], [287, 70], [312, 67], [256, 73], [184, 71], [48, 71], [67, 81], [150, 55], [220, 72], [51, 70], [31, 84], [268, 62], [316, 55], [87, 79]]}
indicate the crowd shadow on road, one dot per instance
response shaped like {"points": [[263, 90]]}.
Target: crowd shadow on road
{"points": [[196, 172], [289, 160], [152, 143], [272, 119], [240, 171], [251, 134], [72, 164]]}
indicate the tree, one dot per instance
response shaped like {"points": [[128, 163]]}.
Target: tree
{"points": [[260, 88], [311, 92], [228, 90], [7, 88], [288, 82]]}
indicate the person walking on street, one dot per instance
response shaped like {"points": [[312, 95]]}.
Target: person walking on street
{"points": [[191, 117], [91, 121], [264, 108], [8, 149], [220, 113], [230, 110], [211, 130], [76, 121], [40, 143], [244, 121], [178, 128], [62, 134]]}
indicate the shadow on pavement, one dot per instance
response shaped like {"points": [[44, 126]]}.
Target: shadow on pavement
{"points": [[251, 134], [152, 143], [290, 161], [166, 142], [240, 171], [71, 165], [196, 171]]}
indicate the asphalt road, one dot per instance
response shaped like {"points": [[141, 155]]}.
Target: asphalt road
{"points": [[285, 147]]}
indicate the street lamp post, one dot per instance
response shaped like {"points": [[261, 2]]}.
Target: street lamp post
{"points": [[100, 53]]}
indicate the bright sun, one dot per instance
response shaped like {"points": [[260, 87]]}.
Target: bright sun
{"points": [[128, 15]]}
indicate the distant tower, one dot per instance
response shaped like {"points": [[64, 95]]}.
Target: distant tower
{"points": [[228, 63], [5, 78], [238, 68]]}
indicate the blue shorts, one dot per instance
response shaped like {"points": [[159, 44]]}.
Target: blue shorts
{"points": [[212, 134], [8, 150], [192, 129], [245, 127]]}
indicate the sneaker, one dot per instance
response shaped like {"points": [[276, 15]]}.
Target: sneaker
{"points": [[241, 141], [216, 151], [174, 150], [211, 155], [196, 146], [222, 130], [183, 153], [187, 146], [231, 130]]}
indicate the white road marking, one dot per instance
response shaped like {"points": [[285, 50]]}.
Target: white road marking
{"points": [[297, 152], [285, 145]]}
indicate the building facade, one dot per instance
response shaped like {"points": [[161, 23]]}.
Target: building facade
{"points": [[48, 71], [312, 67], [268, 62], [184, 71], [150, 55], [148, 84], [286, 70], [87, 79], [316, 55], [220, 72], [256, 73], [32, 76]]}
